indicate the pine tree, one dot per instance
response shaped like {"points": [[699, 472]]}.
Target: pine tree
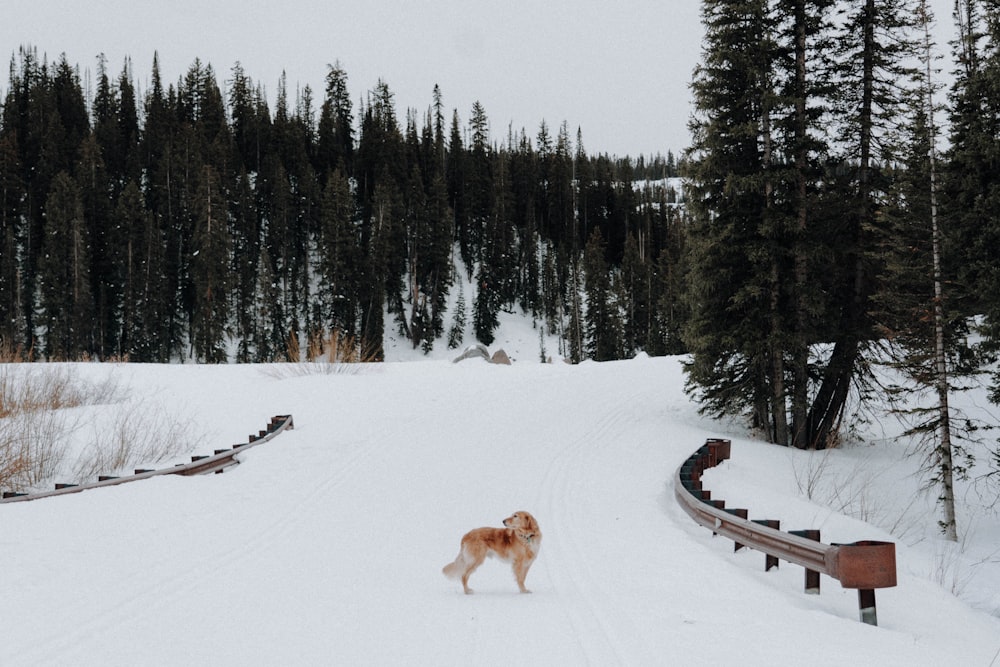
{"points": [[602, 323], [336, 124], [574, 333], [142, 265], [635, 296], [13, 333], [794, 150], [210, 276], [64, 274], [479, 185], [97, 194], [968, 226], [338, 260], [732, 331], [971, 183], [874, 46], [916, 305], [246, 239], [458, 198], [268, 337], [551, 292], [457, 331]]}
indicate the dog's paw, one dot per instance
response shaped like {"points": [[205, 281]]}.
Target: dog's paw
{"points": [[525, 590], [469, 591]]}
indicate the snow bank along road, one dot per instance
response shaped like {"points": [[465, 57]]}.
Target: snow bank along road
{"points": [[325, 546]]}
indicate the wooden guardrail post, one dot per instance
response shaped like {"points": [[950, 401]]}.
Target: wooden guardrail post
{"points": [[770, 562], [812, 576], [743, 514]]}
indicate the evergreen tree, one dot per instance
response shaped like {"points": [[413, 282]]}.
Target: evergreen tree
{"points": [[210, 270], [268, 337], [13, 333], [732, 331], [457, 331], [917, 310], [249, 128], [971, 181], [246, 239], [64, 274], [574, 333], [337, 255], [336, 124], [635, 296], [602, 322], [551, 292], [479, 186], [142, 265], [438, 254], [968, 228], [97, 195], [874, 45], [457, 176]]}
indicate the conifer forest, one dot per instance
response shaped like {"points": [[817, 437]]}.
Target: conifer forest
{"points": [[840, 205], [196, 223]]}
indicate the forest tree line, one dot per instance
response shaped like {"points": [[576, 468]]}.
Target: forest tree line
{"points": [[196, 222]]}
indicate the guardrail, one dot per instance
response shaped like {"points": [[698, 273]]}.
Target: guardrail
{"points": [[199, 465], [864, 565]]}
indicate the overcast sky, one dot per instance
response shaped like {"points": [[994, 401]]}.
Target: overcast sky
{"points": [[618, 71]]}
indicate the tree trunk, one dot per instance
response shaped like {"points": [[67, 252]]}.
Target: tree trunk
{"points": [[800, 352], [944, 448], [828, 407]]}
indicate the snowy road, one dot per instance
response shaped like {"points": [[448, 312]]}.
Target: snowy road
{"points": [[325, 547]]}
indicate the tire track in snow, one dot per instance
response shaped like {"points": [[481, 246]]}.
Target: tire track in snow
{"points": [[213, 564], [567, 482]]}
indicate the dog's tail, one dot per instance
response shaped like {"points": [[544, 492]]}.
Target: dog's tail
{"points": [[455, 569]]}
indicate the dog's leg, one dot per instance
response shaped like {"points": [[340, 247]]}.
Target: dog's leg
{"points": [[472, 560], [520, 572]]}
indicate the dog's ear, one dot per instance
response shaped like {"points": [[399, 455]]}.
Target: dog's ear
{"points": [[530, 525]]}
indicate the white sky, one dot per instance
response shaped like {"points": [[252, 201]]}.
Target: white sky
{"points": [[619, 71]]}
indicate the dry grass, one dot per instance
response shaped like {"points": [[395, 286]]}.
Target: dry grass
{"points": [[37, 427], [139, 435], [26, 388], [34, 419], [326, 355]]}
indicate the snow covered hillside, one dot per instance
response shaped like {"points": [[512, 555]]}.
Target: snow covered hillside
{"points": [[325, 546]]}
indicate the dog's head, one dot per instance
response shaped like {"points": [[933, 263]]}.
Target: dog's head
{"points": [[523, 524]]}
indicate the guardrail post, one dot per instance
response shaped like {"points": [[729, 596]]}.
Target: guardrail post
{"points": [[770, 561], [743, 514], [812, 577], [866, 605]]}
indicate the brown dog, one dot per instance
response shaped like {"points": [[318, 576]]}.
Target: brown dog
{"points": [[516, 544]]}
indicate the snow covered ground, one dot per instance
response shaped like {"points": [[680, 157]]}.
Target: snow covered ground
{"points": [[325, 546]]}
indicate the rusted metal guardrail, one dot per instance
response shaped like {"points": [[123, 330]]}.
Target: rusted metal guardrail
{"points": [[864, 565], [199, 465]]}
